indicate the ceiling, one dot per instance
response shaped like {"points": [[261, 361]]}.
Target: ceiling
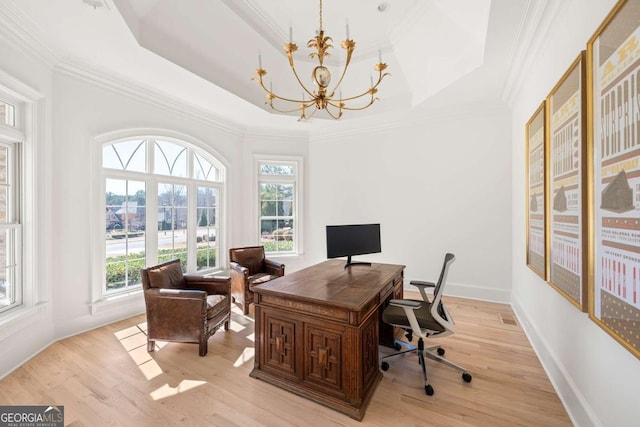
{"points": [[205, 52]]}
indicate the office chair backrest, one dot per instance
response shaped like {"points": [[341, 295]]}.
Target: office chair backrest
{"points": [[438, 310]]}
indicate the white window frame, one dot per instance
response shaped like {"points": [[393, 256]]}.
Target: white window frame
{"points": [[31, 257], [103, 300], [298, 183]]}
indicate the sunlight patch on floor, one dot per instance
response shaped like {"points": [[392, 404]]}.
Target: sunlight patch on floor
{"points": [[236, 327], [246, 356], [134, 341], [168, 391]]}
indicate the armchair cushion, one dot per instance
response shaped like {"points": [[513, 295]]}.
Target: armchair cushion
{"points": [[167, 276]]}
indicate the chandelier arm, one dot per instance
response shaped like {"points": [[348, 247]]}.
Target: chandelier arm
{"points": [[315, 110], [361, 108], [344, 71], [302, 107], [295, 73], [331, 114], [273, 95], [344, 107], [371, 90]]}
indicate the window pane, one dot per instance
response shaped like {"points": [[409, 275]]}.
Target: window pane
{"points": [[206, 244], [170, 159], [172, 234], [4, 165], [126, 155], [274, 169], [268, 197], [5, 199], [7, 114], [8, 288], [277, 235], [203, 169], [125, 217]]}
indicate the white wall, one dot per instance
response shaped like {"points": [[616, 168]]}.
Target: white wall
{"points": [[24, 336], [598, 380], [436, 182]]}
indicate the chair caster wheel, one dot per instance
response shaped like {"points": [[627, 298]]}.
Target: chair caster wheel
{"points": [[440, 351], [467, 377], [397, 347], [428, 389], [385, 366]]}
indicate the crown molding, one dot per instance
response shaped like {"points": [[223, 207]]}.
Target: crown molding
{"points": [[17, 28], [250, 13], [77, 69], [534, 25], [275, 135]]}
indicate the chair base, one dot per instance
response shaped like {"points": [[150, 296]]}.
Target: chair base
{"points": [[421, 351]]}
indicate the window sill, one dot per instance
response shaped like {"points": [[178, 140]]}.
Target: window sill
{"points": [[117, 302], [20, 318]]}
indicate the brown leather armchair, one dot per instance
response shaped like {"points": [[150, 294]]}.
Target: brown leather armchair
{"points": [[249, 267], [184, 308]]}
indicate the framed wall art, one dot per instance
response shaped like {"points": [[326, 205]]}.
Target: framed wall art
{"points": [[535, 137], [566, 185], [613, 84]]}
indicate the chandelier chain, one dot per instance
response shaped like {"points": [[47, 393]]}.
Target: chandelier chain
{"points": [[320, 15]]}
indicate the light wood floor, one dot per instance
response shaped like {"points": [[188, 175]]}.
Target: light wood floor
{"points": [[106, 377]]}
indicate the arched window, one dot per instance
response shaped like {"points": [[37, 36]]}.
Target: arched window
{"points": [[162, 201]]}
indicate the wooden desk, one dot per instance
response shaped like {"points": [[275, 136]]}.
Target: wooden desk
{"points": [[317, 332]]}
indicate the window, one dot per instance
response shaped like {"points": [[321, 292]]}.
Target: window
{"points": [[162, 201], [12, 137], [279, 182], [10, 230]]}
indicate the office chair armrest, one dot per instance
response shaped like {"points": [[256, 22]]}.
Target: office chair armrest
{"points": [[419, 283], [405, 303], [422, 288]]}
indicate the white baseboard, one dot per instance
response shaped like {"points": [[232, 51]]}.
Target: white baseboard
{"points": [[579, 410], [472, 292]]}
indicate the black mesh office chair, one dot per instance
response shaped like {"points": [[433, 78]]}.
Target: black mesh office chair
{"points": [[424, 319]]}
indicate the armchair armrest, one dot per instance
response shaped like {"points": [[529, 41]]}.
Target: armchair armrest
{"points": [[175, 294], [422, 288], [273, 267], [211, 285], [237, 268]]}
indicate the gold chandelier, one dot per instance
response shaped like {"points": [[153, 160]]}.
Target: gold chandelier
{"points": [[322, 98]]}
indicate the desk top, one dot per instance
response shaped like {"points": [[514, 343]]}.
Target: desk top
{"points": [[332, 284]]}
